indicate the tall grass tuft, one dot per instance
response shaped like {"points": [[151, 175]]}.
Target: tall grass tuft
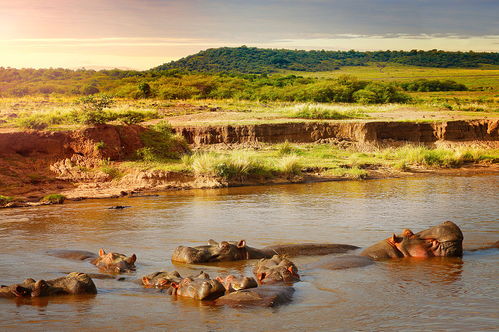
{"points": [[289, 165]]}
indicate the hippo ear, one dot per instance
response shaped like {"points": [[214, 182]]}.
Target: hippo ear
{"points": [[175, 284], [220, 279], [102, 252], [146, 281], [395, 239], [241, 244], [260, 276], [212, 242], [407, 233], [131, 259]]}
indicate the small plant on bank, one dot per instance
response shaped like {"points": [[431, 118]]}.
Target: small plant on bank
{"points": [[110, 170], [161, 143], [286, 148], [99, 146], [5, 199], [54, 199], [289, 165]]}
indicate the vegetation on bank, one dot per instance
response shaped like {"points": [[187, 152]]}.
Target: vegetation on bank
{"points": [[288, 160], [54, 199]]}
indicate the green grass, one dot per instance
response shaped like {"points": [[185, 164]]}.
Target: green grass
{"points": [[324, 112], [5, 199], [54, 199], [288, 160]]}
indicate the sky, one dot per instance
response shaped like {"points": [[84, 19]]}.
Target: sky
{"points": [[141, 34]]}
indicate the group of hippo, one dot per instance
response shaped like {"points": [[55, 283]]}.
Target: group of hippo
{"points": [[274, 273]]}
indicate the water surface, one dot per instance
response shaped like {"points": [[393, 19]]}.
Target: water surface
{"points": [[434, 294]]}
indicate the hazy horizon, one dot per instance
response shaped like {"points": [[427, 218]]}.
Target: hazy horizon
{"points": [[143, 34]]}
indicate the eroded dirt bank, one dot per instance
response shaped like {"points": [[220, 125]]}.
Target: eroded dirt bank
{"points": [[363, 132], [36, 163]]}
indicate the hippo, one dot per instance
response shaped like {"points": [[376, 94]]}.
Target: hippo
{"points": [[160, 279], [233, 283], [262, 296], [234, 251], [276, 269], [107, 262], [199, 288], [74, 283], [444, 240]]}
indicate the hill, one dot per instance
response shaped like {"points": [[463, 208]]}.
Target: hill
{"points": [[258, 60]]}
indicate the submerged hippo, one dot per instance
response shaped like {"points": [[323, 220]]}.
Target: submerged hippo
{"points": [[233, 283], [234, 251], [74, 283], [276, 269], [198, 288], [445, 240], [108, 262], [263, 296]]}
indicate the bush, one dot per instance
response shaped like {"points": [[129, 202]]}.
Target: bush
{"points": [[380, 93], [145, 89], [425, 85], [91, 109]]}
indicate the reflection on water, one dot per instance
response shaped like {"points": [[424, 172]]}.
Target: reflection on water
{"points": [[435, 294]]}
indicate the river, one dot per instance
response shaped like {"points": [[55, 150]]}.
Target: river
{"points": [[411, 295]]}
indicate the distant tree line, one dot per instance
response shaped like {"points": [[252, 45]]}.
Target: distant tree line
{"points": [[177, 84], [257, 60]]}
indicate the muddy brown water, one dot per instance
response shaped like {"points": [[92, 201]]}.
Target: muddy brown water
{"points": [[432, 294]]}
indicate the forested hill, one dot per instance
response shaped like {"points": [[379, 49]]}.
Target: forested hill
{"points": [[258, 60]]}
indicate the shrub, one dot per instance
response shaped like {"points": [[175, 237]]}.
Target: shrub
{"points": [[380, 93], [145, 89], [91, 109], [54, 199]]}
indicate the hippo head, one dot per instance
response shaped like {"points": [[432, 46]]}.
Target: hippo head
{"points": [[40, 288], [75, 283], [442, 240], [161, 279], [114, 262], [199, 288], [233, 283], [276, 269], [445, 239], [213, 252]]}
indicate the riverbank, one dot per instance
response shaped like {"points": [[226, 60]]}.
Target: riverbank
{"points": [[114, 161]]}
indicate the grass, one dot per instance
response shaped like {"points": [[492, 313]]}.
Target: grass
{"points": [[161, 143], [54, 199], [288, 160], [324, 112], [5, 199]]}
